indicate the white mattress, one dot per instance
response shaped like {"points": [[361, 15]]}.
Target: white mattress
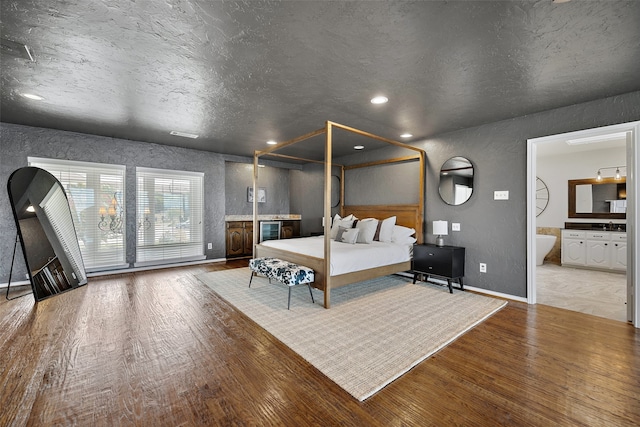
{"points": [[345, 257]]}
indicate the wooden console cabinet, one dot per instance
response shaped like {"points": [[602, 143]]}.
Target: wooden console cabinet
{"points": [[239, 236]]}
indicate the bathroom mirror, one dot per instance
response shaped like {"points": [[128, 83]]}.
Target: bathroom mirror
{"points": [[605, 199], [48, 236], [456, 181]]}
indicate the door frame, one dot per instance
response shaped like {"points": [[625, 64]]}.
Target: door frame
{"points": [[633, 208]]}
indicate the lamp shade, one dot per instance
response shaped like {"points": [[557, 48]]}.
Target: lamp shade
{"points": [[441, 228]]}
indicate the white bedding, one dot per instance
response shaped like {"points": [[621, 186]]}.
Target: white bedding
{"points": [[345, 257]]}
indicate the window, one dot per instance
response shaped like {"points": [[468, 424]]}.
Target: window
{"points": [[169, 210], [96, 198]]}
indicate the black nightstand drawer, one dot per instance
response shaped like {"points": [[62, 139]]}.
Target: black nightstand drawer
{"points": [[445, 261]]}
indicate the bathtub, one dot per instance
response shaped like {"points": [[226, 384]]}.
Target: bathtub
{"points": [[544, 244]]}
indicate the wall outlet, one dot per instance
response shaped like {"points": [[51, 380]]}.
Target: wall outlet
{"points": [[501, 195], [455, 226], [209, 245], [483, 267]]}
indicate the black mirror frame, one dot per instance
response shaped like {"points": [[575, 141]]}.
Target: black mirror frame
{"points": [[440, 178]]}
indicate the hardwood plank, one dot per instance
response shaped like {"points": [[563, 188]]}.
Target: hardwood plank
{"points": [[159, 348]]}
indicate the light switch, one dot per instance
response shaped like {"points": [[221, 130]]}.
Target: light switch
{"points": [[455, 226], [501, 195]]}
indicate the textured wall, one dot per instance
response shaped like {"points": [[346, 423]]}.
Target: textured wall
{"points": [[495, 231], [18, 142], [367, 186], [307, 196], [239, 176]]}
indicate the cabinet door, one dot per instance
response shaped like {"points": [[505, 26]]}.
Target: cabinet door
{"points": [[247, 238], [248, 241], [286, 232], [235, 241], [619, 256], [598, 253], [574, 251]]}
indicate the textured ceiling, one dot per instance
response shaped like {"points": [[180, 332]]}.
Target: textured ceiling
{"points": [[241, 73]]}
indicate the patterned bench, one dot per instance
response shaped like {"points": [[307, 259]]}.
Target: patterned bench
{"points": [[283, 271]]}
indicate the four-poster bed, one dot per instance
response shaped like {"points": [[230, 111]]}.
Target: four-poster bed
{"points": [[410, 215]]}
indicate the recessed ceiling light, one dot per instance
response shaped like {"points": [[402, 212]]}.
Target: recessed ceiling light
{"points": [[358, 147], [30, 208], [183, 134], [406, 135], [32, 96], [272, 142], [379, 100]]}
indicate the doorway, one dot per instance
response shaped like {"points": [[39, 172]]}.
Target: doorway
{"points": [[630, 132]]}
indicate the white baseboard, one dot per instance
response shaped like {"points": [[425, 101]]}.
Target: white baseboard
{"points": [[495, 294]]}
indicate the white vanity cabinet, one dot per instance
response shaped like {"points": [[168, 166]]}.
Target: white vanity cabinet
{"points": [[574, 247], [619, 251], [603, 250]]}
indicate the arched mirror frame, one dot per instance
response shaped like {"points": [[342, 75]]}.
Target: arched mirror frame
{"points": [[42, 215], [459, 169]]}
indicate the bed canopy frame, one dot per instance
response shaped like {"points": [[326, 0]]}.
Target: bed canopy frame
{"points": [[411, 215]]}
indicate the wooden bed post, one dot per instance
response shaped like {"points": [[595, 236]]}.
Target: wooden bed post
{"points": [[327, 215], [256, 231]]}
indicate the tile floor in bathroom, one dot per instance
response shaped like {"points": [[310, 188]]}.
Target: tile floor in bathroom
{"points": [[587, 291]]}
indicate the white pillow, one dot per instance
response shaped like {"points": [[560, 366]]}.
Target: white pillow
{"points": [[401, 233], [350, 235], [367, 229], [406, 241], [386, 229]]}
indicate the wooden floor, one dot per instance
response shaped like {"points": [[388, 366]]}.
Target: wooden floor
{"points": [[158, 348]]}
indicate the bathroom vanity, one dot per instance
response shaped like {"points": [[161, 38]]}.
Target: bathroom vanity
{"points": [[602, 250]]}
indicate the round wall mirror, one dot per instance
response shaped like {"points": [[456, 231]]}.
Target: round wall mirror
{"points": [[456, 181]]}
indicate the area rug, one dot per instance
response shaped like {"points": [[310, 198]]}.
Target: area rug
{"points": [[374, 332]]}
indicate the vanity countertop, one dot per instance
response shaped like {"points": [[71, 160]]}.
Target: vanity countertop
{"points": [[266, 217], [589, 226]]}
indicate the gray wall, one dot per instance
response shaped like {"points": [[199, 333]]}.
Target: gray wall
{"points": [[366, 186], [495, 231], [18, 142], [239, 176], [307, 196]]}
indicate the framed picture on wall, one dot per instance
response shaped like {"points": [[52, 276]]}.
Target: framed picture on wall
{"points": [[262, 194]]}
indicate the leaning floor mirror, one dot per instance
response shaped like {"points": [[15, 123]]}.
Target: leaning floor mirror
{"points": [[46, 231]]}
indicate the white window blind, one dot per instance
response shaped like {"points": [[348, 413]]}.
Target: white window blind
{"points": [[55, 208], [96, 198], [170, 211]]}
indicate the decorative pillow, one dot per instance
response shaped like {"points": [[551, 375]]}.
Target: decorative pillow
{"points": [[340, 232], [343, 222], [367, 229], [350, 235], [401, 233], [385, 229]]}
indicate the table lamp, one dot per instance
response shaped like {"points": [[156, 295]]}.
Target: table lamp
{"points": [[440, 228]]}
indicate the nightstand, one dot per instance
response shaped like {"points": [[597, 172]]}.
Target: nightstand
{"points": [[442, 261]]}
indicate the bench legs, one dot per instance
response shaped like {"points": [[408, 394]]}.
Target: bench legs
{"points": [[289, 298], [253, 273]]}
